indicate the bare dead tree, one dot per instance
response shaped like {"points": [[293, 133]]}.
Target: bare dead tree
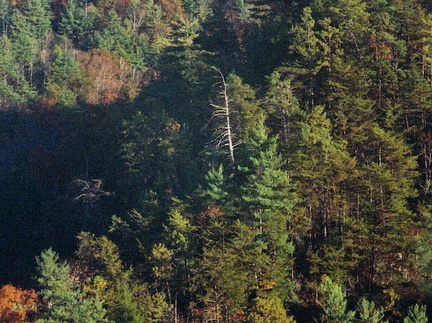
{"points": [[91, 191], [225, 134], [136, 12]]}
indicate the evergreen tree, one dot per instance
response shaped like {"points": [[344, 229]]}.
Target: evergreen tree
{"points": [[63, 298], [124, 296], [267, 310], [64, 79], [422, 249], [222, 35], [5, 15], [284, 112], [387, 173], [30, 28], [267, 203], [115, 37], [333, 302], [78, 23], [306, 45], [236, 116], [416, 314], [197, 9], [369, 312], [219, 283], [152, 153], [38, 16], [14, 89], [324, 172]]}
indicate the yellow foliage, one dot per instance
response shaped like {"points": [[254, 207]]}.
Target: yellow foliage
{"points": [[266, 285]]}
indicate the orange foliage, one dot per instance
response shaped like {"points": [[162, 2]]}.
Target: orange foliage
{"points": [[105, 76], [16, 3], [173, 9], [267, 285], [380, 50], [16, 304], [45, 104], [211, 213]]}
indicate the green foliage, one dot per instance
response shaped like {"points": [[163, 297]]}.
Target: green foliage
{"points": [[124, 296], [39, 18], [333, 302], [14, 89], [422, 248], [199, 9], [237, 113], [217, 190], [101, 254], [24, 48], [245, 108], [266, 204], [179, 231], [120, 39], [222, 279], [285, 114], [5, 14], [268, 310], [77, 23], [63, 297], [162, 259], [323, 169], [369, 312], [322, 107], [416, 314], [152, 152], [64, 79], [135, 229]]}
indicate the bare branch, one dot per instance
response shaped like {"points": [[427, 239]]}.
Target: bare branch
{"points": [[91, 190], [225, 139]]}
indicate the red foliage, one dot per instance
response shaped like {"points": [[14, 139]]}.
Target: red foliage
{"points": [[239, 316]]}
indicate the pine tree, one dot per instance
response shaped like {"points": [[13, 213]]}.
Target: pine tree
{"points": [[387, 173], [30, 28], [369, 312], [236, 116], [78, 23], [5, 15], [333, 302], [416, 314], [125, 297], [63, 298], [38, 16], [14, 89], [220, 283], [64, 79], [268, 310], [422, 248], [266, 204], [323, 169], [284, 111]]}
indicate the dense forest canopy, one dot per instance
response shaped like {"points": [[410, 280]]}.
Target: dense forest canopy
{"points": [[215, 160]]}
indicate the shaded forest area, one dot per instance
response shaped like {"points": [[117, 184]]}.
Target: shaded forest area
{"points": [[215, 160]]}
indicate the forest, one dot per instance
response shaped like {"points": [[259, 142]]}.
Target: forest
{"points": [[216, 161]]}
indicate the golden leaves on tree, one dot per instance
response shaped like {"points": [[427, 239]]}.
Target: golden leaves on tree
{"points": [[16, 304]]}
